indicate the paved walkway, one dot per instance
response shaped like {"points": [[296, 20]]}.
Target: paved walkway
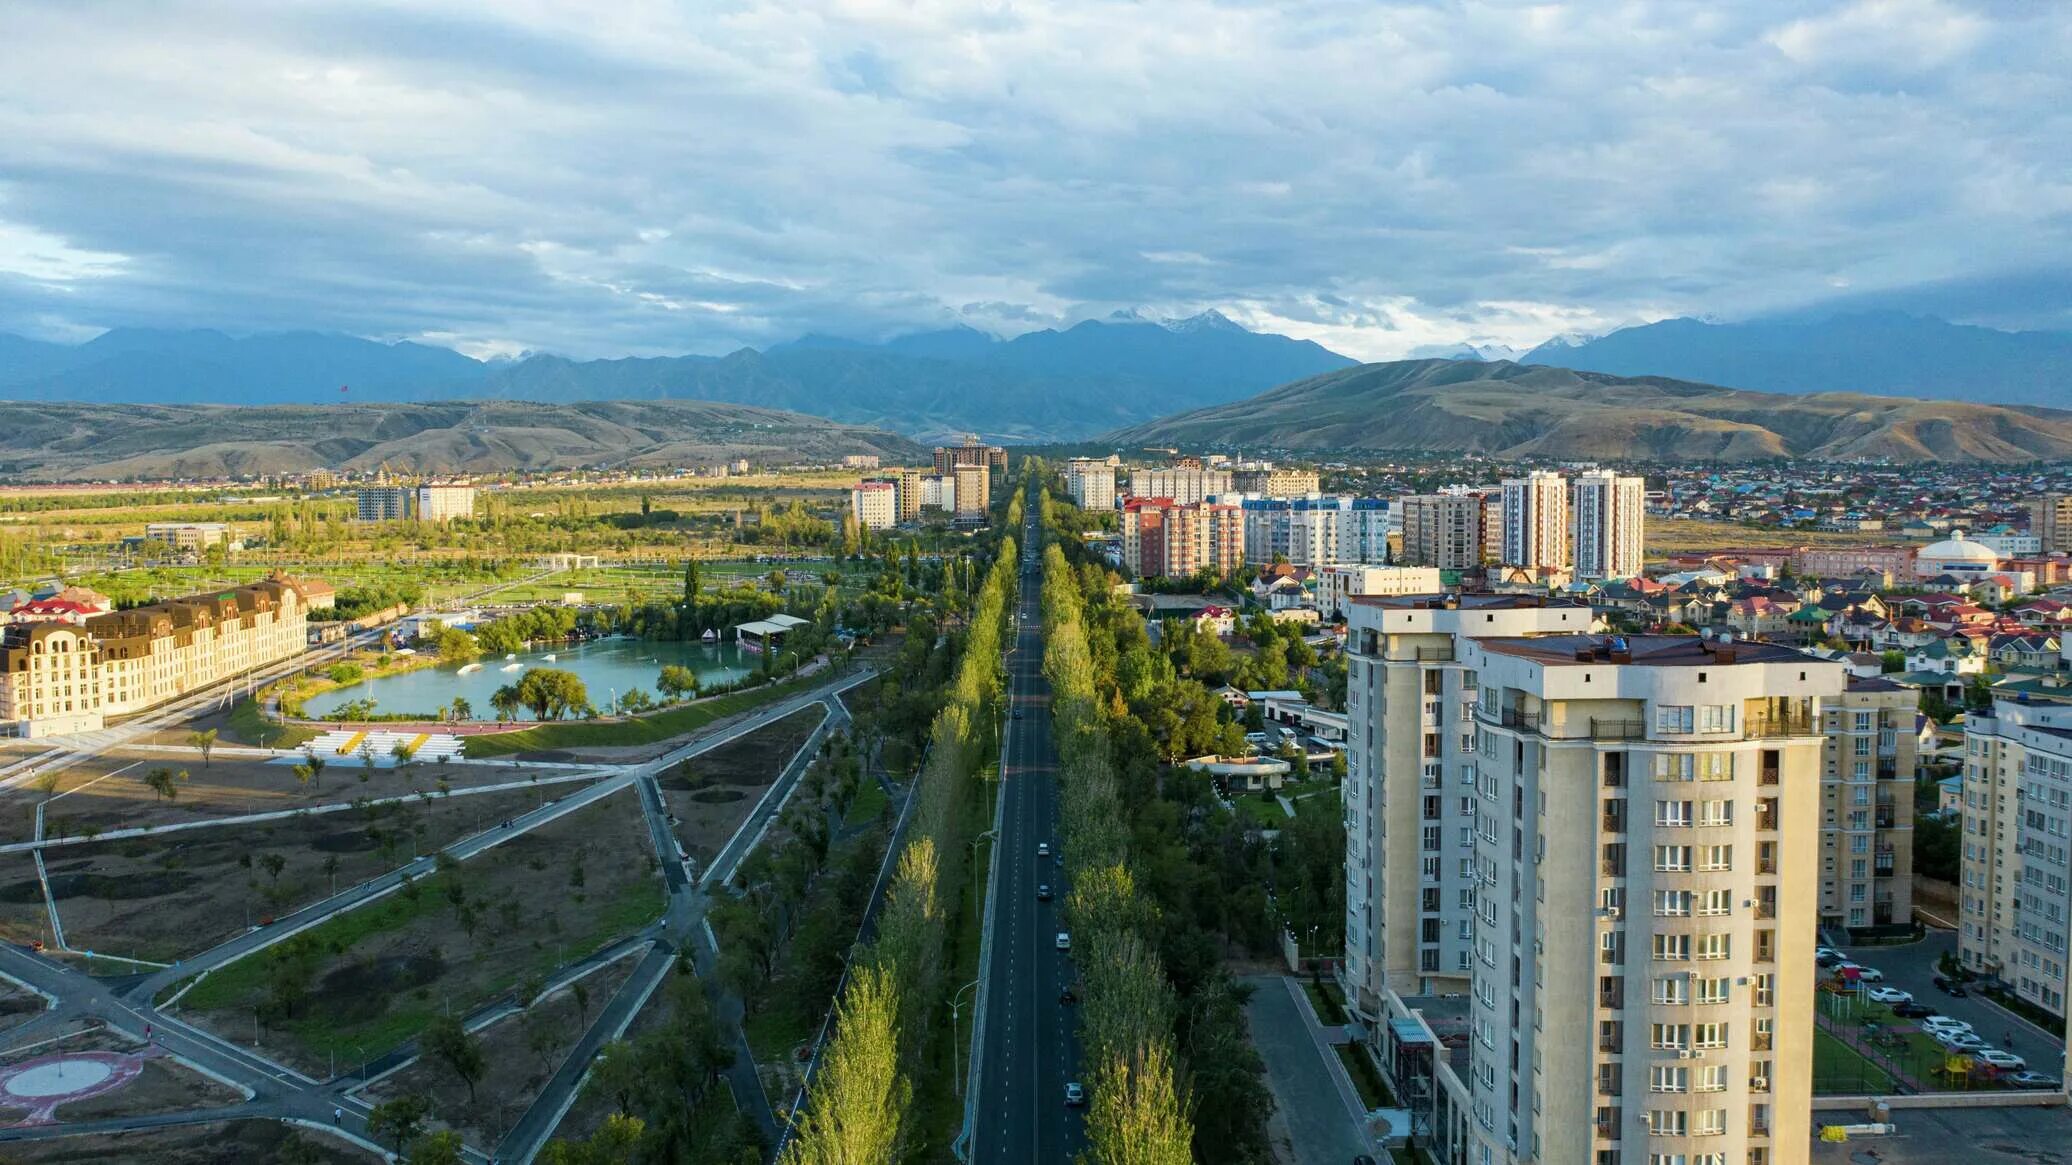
{"points": [[1316, 1099]]}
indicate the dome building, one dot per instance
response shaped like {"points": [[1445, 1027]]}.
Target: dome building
{"points": [[1958, 556]]}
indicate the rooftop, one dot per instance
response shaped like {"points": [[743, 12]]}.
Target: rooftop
{"points": [[1456, 601], [1641, 650]]}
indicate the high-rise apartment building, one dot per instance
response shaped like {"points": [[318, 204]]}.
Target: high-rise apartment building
{"points": [[1610, 516], [875, 504], [1164, 540], [1444, 530], [2017, 868], [385, 503], [1316, 531], [2050, 520], [1091, 482], [974, 493], [971, 452], [1182, 483], [443, 502], [1535, 521], [911, 491], [1867, 803], [1579, 853]]}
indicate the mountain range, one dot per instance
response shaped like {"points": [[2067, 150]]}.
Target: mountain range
{"points": [[73, 442], [1517, 410], [1887, 353], [1042, 385]]}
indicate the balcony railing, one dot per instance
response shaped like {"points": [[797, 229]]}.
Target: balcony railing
{"points": [[1759, 1042], [1778, 724], [1618, 729], [1769, 776], [1608, 1126], [1765, 865], [1421, 655], [1765, 818], [1764, 908], [1509, 718]]}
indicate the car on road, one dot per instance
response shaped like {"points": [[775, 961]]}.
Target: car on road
{"points": [[1958, 1041], [2005, 1061], [1936, 1023], [1043, 892], [1075, 1096], [1949, 986], [1042, 849], [1863, 974], [1912, 1010], [1017, 714], [1889, 995], [1068, 995], [1064, 941], [2032, 1080]]}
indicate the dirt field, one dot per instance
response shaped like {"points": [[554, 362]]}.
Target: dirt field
{"points": [[1685, 535], [223, 1143], [18, 1005], [517, 1066], [109, 792], [25, 921], [164, 1085], [711, 795], [167, 897], [371, 978]]}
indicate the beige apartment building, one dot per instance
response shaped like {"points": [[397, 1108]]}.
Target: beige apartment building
{"points": [[1609, 512], [875, 504], [974, 486], [2050, 520], [1182, 483], [2015, 899], [1274, 481], [1867, 805], [1443, 530], [1091, 482], [1535, 522], [60, 678], [1575, 853]]}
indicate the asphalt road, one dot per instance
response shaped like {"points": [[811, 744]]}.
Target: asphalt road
{"points": [[1028, 1048], [1323, 1122], [1912, 968]]}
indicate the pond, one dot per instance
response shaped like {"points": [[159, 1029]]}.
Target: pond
{"points": [[607, 667]]}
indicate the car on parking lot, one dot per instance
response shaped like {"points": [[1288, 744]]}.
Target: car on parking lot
{"points": [[1949, 986], [1912, 1010], [2032, 1080], [1944, 1023], [1958, 1041], [1064, 941], [1862, 974], [2005, 1061], [1826, 956], [1074, 1094], [1889, 995], [1043, 892]]}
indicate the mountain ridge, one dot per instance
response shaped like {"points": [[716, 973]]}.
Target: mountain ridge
{"points": [[1518, 410]]}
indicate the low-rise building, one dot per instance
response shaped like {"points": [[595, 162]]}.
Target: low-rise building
{"points": [[1339, 583], [189, 537]]}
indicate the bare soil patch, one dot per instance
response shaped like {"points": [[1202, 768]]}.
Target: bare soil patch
{"points": [[18, 1005], [709, 796], [26, 921], [220, 1143], [107, 793], [522, 1051], [452, 942], [166, 897]]}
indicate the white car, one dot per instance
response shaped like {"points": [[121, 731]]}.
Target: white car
{"points": [[1042, 849], [1944, 1023], [1958, 1041], [1889, 995], [1064, 941], [2005, 1061], [1863, 974]]}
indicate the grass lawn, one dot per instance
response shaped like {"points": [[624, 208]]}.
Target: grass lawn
{"points": [[636, 730], [1841, 1069], [247, 724], [1262, 813], [870, 802], [1325, 1001]]}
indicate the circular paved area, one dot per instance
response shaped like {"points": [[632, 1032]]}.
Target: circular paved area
{"points": [[42, 1084]]}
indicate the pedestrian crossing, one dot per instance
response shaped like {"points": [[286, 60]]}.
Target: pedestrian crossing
{"points": [[355, 744]]}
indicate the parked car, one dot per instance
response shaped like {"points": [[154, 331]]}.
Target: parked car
{"points": [[1863, 974], [1826, 956], [1064, 941], [1958, 1041], [1889, 995], [2005, 1061], [1075, 1096], [1043, 892], [1912, 1010], [1948, 1023], [1949, 986], [2033, 1080]]}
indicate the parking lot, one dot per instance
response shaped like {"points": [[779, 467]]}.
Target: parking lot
{"points": [[1912, 968]]}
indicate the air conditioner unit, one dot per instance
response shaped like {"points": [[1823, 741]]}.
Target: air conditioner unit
{"points": [[1612, 912], [1686, 1054]]}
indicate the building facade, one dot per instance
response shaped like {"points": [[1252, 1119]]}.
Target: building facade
{"points": [[1161, 539], [2050, 522], [1535, 522], [1091, 482], [384, 503], [1593, 840], [1339, 584], [189, 537], [1316, 531], [875, 504], [974, 494], [1272, 481], [443, 502], [1867, 805], [1182, 483], [971, 452], [2015, 861], [1610, 514], [1443, 530], [63, 678]]}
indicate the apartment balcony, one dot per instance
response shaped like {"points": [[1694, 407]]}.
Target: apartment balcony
{"points": [[1618, 729], [1759, 1041], [1885, 861], [1443, 654], [1758, 1126], [1888, 770], [1766, 817], [1610, 1085], [1613, 822], [1769, 775], [1611, 998], [1608, 1124], [1764, 865], [1887, 814], [1798, 723], [1516, 718], [1765, 908]]}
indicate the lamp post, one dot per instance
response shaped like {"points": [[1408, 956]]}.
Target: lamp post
{"points": [[956, 1008]]}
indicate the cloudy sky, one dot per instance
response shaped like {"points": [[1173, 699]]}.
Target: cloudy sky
{"points": [[650, 177]]}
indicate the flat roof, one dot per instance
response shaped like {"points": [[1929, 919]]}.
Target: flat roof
{"points": [[1647, 650], [1453, 600]]}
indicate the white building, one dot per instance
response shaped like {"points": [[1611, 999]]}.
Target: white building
{"points": [[1338, 584], [1535, 521], [1183, 483], [2017, 868], [1091, 482], [1957, 556], [938, 492], [444, 502], [1602, 843], [1610, 513], [875, 504], [189, 536]]}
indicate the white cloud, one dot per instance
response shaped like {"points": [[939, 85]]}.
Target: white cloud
{"points": [[659, 176]]}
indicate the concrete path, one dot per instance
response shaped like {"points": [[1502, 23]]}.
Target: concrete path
{"points": [[1323, 1113]]}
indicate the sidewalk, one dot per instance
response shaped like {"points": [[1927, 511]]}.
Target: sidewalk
{"points": [[1325, 1119]]}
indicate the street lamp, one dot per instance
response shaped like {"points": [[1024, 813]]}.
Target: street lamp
{"points": [[956, 1008]]}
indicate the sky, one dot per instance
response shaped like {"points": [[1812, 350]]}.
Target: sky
{"points": [[641, 178]]}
